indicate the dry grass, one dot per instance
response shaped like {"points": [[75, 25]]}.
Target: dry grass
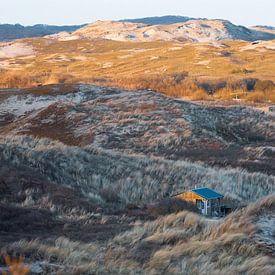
{"points": [[10, 79], [118, 135], [136, 179], [185, 243], [16, 267], [182, 243], [181, 86], [64, 207], [135, 65]]}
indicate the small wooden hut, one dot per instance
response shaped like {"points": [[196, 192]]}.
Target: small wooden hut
{"points": [[206, 200]]}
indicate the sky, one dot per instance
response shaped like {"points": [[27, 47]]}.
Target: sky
{"points": [[71, 12]]}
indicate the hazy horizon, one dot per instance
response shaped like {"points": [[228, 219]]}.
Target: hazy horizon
{"points": [[72, 12]]}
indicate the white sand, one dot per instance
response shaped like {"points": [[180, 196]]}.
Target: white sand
{"points": [[16, 49]]}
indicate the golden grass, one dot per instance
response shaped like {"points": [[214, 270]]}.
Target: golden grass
{"points": [[144, 65], [10, 79], [16, 266]]}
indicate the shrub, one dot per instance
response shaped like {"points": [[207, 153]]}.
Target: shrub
{"points": [[169, 206], [16, 266], [14, 79], [132, 206], [257, 96], [225, 94], [264, 85], [212, 86], [270, 95], [52, 79], [109, 195], [199, 95]]}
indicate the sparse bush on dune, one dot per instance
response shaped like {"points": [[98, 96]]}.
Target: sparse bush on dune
{"points": [[264, 85], [260, 207], [16, 79], [174, 85], [271, 95], [231, 254], [52, 79], [229, 94], [16, 266], [63, 251], [109, 195], [188, 221], [22, 79], [168, 206], [199, 95], [257, 96]]}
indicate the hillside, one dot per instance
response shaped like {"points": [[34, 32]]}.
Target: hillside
{"points": [[268, 29], [265, 27], [192, 30], [159, 20], [138, 146], [224, 70], [82, 168], [167, 28], [11, 32], [141, 122]]}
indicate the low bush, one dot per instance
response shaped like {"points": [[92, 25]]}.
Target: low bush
{"points": [[109, 195], [200, 95], [169, 206], [257, 96], [13, 79], [180, 85]]}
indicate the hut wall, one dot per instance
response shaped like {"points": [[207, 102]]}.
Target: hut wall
{"points": [[189, 197]]}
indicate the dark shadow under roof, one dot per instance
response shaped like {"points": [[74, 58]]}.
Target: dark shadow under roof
{"points": [[207, 193]]}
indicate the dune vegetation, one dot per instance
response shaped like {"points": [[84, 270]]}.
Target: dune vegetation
{"points": [[198, 71], [181, 243], [98, 136], [88, 174]]}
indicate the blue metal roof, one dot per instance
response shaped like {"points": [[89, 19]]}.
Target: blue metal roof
{"points": [[207, 193]]}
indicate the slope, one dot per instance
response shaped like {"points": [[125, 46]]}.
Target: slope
{"points": [[11, 32], [192, 30]]}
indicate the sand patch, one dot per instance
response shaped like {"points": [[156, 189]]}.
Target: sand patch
{"points": [[125, 56], [14, 50], [107, 65], [175, 49], [203, 62], [260, 46]]}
